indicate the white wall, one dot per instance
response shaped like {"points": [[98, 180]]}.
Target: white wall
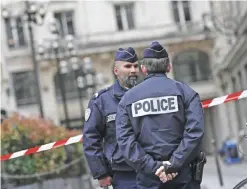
{"points": [[7, 100], [153, 13], [100, 16], [95, 21], [92, 18], [198, 8]]}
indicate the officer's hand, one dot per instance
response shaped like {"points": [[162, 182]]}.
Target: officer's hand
{"points": [[162, 168], [166, 177], [106, 181], [163, 176]]}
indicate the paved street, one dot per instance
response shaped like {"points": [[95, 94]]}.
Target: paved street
{"points": [[232, 174]]}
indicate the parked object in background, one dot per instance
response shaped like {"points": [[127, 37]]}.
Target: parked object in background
{"points": [[229, 152]]}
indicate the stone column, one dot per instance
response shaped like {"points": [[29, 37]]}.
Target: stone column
{"points": [[232, 108], [222, 119], [244, 82], [48, 94], [240, 103], [244, 106]]}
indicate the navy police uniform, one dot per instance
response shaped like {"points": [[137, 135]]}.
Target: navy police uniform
{"points": [[160, 120], [99, 133]]}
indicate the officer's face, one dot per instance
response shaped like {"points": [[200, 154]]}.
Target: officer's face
{"points": [[127, 73]]}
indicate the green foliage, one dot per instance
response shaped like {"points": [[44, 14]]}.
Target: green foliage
{"points": [[20, 133]]}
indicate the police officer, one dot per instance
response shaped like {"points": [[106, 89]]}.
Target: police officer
{"points": [[160, 122], [99, 140]]}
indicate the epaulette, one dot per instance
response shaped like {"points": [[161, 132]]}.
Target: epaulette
{"points": [[100, 92]]}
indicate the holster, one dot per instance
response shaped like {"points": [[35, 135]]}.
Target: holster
{"points": [[197, 166]]}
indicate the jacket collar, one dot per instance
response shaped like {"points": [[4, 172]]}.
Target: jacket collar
{"points": [[155, 75]]}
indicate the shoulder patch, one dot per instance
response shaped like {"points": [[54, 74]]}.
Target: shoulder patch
{"points": [[87, 114], [96, 95], [100, 92]]}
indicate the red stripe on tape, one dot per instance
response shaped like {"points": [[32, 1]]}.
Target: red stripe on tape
{"points": [[32, 150], [60, 143], [233, 96], [206, 103], [6, 157]]}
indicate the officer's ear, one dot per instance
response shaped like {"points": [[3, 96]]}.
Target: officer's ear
{"points": [[169, 67], [115, 70], [144, 69]]}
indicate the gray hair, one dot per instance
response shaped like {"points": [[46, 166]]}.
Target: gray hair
{"points": [[154, 65]]}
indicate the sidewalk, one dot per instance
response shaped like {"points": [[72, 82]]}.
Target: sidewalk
{"points": [[232, 174]]}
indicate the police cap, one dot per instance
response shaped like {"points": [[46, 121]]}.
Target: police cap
{"points": [[155, 50], [126, 55]]}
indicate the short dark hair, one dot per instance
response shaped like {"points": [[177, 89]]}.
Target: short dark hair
{"points": [[154, 65]]}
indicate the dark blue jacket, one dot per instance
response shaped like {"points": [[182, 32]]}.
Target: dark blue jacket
{"points": [[99, 133], [159, 119]]}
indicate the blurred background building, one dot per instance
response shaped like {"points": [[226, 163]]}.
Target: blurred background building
{"points": [[207, 53]]}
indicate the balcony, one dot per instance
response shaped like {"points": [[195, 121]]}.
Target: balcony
{"points": [[169, 32], [100, 42]]}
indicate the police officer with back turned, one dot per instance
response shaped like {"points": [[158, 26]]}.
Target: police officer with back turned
{"points": [[99, 134], [160, 125]]}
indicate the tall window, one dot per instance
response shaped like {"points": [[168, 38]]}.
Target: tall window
{"points": [[124, 16], [15, 32], [24, 87], [181, 12], [65, 21], [191, 66]]}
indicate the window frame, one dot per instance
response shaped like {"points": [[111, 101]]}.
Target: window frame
{"points": [[179, 16], [12, 33], [63, 22], [30, 96], [125, 24]]}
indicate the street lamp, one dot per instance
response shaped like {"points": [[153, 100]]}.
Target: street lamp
{"points": [[79, 76], [55, 48], [67, 61], [91, 77], [33, 14], [85, 78]]}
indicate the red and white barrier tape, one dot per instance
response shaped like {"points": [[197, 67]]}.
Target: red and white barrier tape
{"points": [[75, 139], [224, 99], [44, 147]]}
